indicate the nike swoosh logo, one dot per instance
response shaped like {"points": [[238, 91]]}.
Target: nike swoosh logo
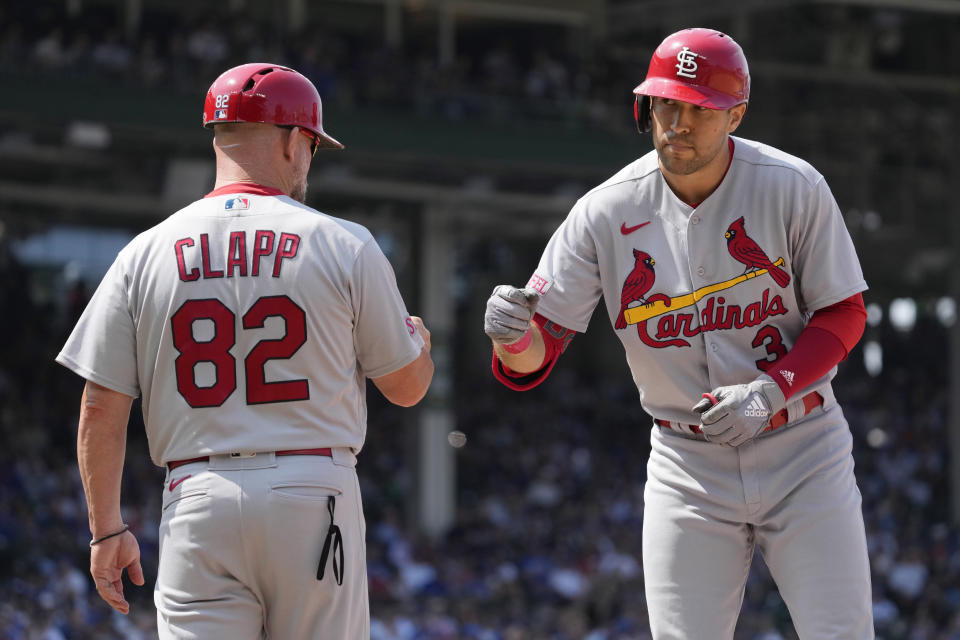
{"points": [[174, 483], [625, 230]]}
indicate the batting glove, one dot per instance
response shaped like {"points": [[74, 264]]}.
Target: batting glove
{"points": [[741, 411], [509, 312]]}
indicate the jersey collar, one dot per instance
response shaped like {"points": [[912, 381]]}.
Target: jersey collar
{"points": [[245, 187]]}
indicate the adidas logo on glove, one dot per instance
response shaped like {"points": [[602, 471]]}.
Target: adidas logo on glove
{"points": [[755, 410]]}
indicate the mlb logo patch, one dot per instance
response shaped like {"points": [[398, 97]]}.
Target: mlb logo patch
{"points": [[219, 114], [235, 204]]}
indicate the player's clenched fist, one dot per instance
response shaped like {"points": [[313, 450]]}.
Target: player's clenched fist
{"points": [[509, 312], [741, 411]]}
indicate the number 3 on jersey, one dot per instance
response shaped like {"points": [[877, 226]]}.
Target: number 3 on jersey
{"points": [[216, 351], [769, 336]]}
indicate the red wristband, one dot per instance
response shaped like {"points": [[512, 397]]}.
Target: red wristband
{"points": [[520, 345]]}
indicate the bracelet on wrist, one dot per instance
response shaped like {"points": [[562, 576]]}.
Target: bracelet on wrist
{"points": [[520, 345], [95, 541]]}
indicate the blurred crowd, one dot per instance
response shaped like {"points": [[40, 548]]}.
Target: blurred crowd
{"points": [[546, 543], [504, 79], [499, 70]]}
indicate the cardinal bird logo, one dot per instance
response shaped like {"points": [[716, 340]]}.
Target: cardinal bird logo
{"points": [[637, 284], [743, 249]]}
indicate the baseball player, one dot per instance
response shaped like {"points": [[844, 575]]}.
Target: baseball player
{"points": [[249, 323], [731, 281]]}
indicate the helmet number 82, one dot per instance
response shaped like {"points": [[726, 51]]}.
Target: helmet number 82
{"points": [[221, 100]]}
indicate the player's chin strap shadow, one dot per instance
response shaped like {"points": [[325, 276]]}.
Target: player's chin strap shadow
{"points": [[335, 540]]}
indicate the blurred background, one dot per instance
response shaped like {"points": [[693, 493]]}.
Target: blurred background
{"points": [[471, 127]]}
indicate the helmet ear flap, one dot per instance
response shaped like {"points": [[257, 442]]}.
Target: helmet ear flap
{"points": [[641, 113]]}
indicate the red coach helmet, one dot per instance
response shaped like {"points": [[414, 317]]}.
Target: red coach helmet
{"points": [[700, 66], [268, 93]]}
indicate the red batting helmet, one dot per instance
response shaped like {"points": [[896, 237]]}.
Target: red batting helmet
{"points": [[700, 66], [269, 93]]}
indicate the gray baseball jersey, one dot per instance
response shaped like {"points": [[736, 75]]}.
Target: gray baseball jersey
{"points": [[248, 323], [704, 318], [709, 296]]}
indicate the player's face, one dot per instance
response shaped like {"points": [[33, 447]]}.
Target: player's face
{"points": [[687, 137]]}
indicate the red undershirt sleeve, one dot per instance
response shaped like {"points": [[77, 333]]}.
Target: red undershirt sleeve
{"points": [[826, 340], [555, 340]]}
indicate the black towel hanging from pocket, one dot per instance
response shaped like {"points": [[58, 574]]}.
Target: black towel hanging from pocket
{"points": [[335, 540]]}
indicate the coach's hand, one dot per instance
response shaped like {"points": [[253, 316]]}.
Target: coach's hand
{"points": [[741, 411], [108, 559], [422, 330], [509, 312]]}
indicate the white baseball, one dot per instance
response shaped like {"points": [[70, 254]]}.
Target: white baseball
{"points": [[457, 439]]}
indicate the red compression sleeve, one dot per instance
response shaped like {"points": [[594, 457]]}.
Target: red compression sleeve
{"points": [[823, 343], [845, 320], [555, 341]]}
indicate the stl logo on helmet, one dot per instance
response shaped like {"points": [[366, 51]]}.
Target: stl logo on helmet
{"points": [[687, 63]]}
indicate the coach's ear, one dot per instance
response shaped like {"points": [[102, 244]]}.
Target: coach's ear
{"points": [[289, 139], [736, 117]]}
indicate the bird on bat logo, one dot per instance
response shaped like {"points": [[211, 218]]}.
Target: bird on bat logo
{"points": [[637, 284], [745, 250]]}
